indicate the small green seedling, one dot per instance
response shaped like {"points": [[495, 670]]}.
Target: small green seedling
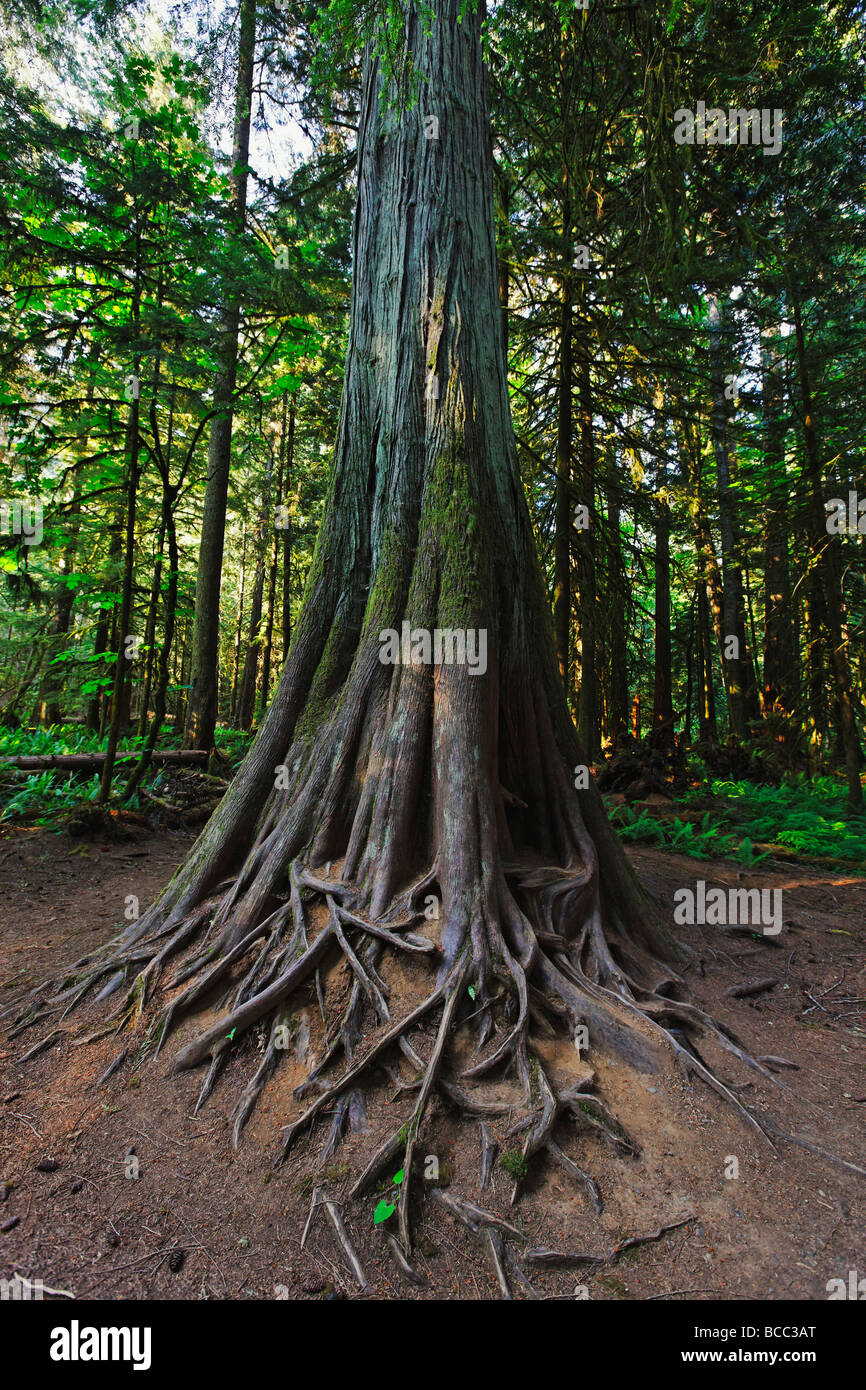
{"points": [[386, 1209]]}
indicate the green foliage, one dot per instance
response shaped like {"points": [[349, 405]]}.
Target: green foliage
{"points": [[810, 817], [701, 843], [56, 740], [807, 817], [119, 255], [46, 795], [514, 1164], [232, 744]]}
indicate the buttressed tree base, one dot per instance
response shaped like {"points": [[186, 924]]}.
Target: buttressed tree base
{"points": [[407, 806]]}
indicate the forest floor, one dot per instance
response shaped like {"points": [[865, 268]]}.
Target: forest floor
{"points": [[790, 1222]]}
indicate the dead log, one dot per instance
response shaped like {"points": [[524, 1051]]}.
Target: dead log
{"points": [[92, 762]]}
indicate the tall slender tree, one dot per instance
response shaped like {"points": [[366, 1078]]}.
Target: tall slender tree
{"points": [[202, 705]]}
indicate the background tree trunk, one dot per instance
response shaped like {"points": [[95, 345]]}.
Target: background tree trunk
{"points": [[132, 449], [662, 735], [780, 656], [587, 551], [734, 623], [616, 607], [827, 604], [247, 688], [267, 649], [287, 539], [564, 426], [706, 693], [202, 706], [52, 682]]}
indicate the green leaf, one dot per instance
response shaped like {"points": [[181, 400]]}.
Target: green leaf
{"points": [[398, 1177], [674, 15], [383, 1211]]}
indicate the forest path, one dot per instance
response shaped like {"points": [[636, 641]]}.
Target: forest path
{"points": [[789, 1223]]}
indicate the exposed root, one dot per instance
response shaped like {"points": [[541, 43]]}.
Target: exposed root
{"points": [[632, 1241], [112, 1068], [494, 1245], [577, 1173], [451, 1002], [475, 1218], [256, 1085], [41, 1046], [250, 1012], [489, 1152], [559, 1259], [321, 1199], [406, 1270], [496, 1237], [551, 969], [812, 1148], [383, 1158], [518, 1275], [521, 950], [290, 1132]]}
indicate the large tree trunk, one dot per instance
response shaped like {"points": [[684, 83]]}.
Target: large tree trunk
{"points": [[203, 703], [425, 522], [398, 780]]}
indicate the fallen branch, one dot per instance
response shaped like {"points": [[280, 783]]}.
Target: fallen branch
{"points": [[632, 1241], [749, 987]]}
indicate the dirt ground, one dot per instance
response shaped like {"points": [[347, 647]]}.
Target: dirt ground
{"points": [[202, 1220]]}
